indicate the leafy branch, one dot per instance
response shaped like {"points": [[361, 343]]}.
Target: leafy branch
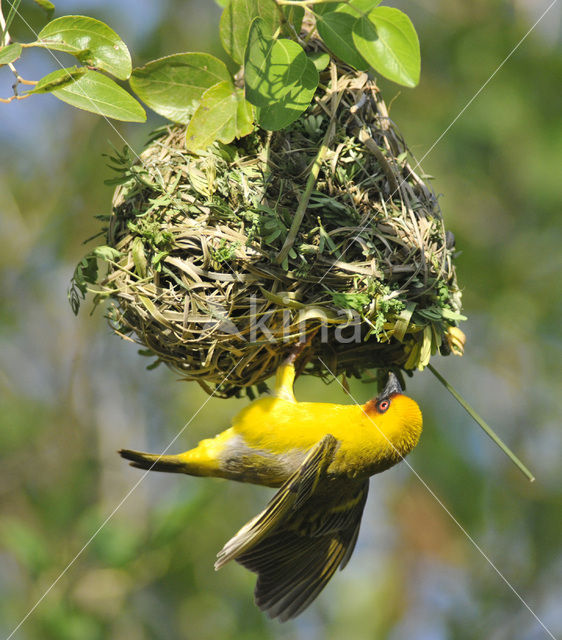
{"points": [[279, 77]]}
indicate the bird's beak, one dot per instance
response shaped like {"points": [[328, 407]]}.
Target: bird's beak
{"points": [[392, 386]]}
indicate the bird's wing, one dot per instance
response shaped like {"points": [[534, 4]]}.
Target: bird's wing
{"points": [[291, 494], [306, 532], [296, 560]]}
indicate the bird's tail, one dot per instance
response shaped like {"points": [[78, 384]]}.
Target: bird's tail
{"points": [[153, 462]]}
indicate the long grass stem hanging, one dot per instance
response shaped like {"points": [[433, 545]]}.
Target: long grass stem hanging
{"points": [[482, 423]]}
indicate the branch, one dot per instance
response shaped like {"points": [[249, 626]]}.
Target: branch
{"points": [[16, 97], [4, 42]]}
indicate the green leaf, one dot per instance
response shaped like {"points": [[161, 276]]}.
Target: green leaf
{"points": [[360, 7], [47, 6], [139, 257], [91, 41], [92, 91], [223, 115], [357, 301], [172, 86], [320, 59], [389, 43], [58, 79], [10, 53], [86, 272], [453, 315], [236, 20], [294, 16], [335, 26], [280, 114], [271, 67], [355, 8], [106, 253]]}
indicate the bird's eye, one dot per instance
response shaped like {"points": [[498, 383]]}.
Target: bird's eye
{"points": [[383, 405]]}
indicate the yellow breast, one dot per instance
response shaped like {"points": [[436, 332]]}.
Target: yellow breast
{"points": [[369, 440]]}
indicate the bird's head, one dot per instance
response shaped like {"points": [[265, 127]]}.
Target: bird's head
{"points": [[396, 416]]}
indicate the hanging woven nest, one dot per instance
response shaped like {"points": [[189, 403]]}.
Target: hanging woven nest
{"points": [[219, 263]]}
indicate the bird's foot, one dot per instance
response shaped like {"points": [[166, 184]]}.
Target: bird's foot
{"points": [[298, 348]]}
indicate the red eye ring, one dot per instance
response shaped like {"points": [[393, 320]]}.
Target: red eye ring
{"points": [[383, 405]]}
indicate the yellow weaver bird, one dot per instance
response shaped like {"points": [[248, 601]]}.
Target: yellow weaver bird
{"points": [[321, 455]]}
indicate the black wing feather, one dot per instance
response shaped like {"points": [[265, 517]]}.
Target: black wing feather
{"points": [[296, 490], [306, 532], [293, 568]]}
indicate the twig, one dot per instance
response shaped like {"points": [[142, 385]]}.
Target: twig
{"points": [[4, 42], [15, 97]]}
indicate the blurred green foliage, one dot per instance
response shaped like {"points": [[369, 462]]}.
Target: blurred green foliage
{"points": [[71, 393]]}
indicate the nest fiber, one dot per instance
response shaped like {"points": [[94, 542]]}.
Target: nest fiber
{"points": [[219, 263]]}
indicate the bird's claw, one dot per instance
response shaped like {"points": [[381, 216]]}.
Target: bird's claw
{"points": [[300, 347]]}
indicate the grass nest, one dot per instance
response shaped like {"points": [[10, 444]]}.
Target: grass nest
{"points": [[219, 263]]}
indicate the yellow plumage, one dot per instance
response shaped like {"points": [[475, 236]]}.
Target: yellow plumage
{"points": [[321, 455]]}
